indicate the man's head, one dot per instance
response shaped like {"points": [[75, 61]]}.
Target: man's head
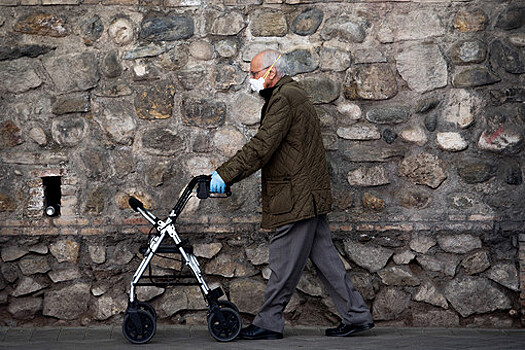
{"points": [[268, 65]]}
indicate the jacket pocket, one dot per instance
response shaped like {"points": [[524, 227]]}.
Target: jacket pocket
{"points": [[279, 197]]}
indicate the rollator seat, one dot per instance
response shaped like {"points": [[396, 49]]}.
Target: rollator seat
{"points": [[167, 249]]}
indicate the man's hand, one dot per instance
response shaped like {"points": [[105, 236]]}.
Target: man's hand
{"points": [[217, 184]]}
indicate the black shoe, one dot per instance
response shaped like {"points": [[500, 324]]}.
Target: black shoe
{"points": [[255, 333], [345, 330]]}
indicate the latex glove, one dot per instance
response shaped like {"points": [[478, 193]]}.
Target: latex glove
{"points": [[217, 184]]}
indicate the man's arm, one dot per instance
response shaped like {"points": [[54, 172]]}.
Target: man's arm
{"points": [[258, 151]]}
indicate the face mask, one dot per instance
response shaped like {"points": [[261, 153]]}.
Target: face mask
{"points": [[257, 84]]}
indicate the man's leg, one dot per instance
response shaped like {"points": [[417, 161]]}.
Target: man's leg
{"points": [[331, 271], [289, 251]]}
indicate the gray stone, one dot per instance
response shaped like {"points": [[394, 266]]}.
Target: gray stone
{"points": [[107, 306], [113, 88], [65, 251], [471, 20], [475, 170], [117, 118], [414, 135], [38, 135], [251, 49], [368, 176], [25, 308], [155, 101], [121, 30], [476, 262], [468, 52], [309, 285], [513, 17], [227, 48], [372, 258], [513, 174], [230, 22], [370, 82], [228, 266], [505, 274], [173, 301], [32, 51], [307, 22], [427, 104], [40, 248], [91, 29], [120, 255], [421, 243], [359, 132], [111, 66], [459, 243], [203, 113], [301, 61], [147, 293], [76, 102], [474, 76], [201, 50], [460, 292], [168, 28], [13, 253], [10, 134], [404, 257], [511, 58], [423, 169], [414, 198], [27, 285], [501, 138], [248, 295], [416, 25], [258, 255], [428, 293], [94, 163], [461, 108], [64, 274], [207, 250], [192, 76], [444, 263], [69, 130], [73, 72], [344, 28], [451, 141], [42, 24], [227, 76], [19, 75], [242, 109], [517, 39], [423, 67], [435, 318], [9, 272], [334, 59], [372, 202], [389, 304], [320, 89], [30, 265], [268, 22], [365, 284], [389, 135], [398, 276], [387, 115], [368, 55], [508, 95], [145, 51]]}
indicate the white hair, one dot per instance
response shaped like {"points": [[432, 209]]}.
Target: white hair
{"points": [[269, 57]]}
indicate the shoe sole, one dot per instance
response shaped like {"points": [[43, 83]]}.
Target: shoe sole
{"points": [[354, 331], [266, 337]]}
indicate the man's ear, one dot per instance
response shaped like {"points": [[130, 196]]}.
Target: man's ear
{"points": [[273, 73]]}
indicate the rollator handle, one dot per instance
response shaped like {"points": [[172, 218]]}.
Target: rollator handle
{"points": [[135, 204]]}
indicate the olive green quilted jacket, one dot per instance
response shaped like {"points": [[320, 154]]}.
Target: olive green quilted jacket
{"points": [[289, 149]]}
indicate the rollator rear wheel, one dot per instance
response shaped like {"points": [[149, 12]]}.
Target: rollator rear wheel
{"points": [[229, 328], [147, 307], [226, 303], [139, 329]]}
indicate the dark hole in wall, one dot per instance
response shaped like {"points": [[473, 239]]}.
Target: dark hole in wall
{"points": [[52, 195]]}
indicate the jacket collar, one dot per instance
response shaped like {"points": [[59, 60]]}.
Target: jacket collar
{"points": [[268, 93]]}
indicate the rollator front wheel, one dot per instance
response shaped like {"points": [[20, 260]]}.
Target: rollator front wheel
{"points": [[139, 327], [224, 324]]}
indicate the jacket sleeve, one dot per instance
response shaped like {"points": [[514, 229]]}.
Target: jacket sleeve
{"points": [[259, 150]]}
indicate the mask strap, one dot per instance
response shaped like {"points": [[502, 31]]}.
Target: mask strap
{"points": [[270, 68]]}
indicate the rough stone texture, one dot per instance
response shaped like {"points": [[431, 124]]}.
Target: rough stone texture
{"points": [[82, 76], [414, 135], [372, 258], [435, 318], [475, 171], [468, 52], [398, 276], [367, 177], [387, 115], [248, 295], [428, 293], [155, 102], [203, 113], [19, 75], [321, 89], [423, 67], [459, 243], [344, 28], [207, 251], [424, 169], [168, 28], [30, 265], [42, 24], [505, 274], [418, 24], [370, 82], [307, 22], [451, 141], [488, 298], [268, 23], [258, 255], [107, 306], [462, 109], [27, 285], [470, 20], [13, 253], [421, 243], [359, 132], [476, 262], [474, 76], [64, 274], [444, 263], [25, 308], [389, 304], [404, 258]]}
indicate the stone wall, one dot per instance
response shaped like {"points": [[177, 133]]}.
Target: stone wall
{"points": [[421, 104]]}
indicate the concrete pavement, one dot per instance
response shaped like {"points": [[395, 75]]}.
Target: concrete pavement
{"points": [[197, 337]]}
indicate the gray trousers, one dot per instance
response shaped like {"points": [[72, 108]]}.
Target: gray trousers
{"points": [[290, 249]]}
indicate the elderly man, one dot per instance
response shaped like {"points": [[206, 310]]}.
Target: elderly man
{"points": [[296, 197]]}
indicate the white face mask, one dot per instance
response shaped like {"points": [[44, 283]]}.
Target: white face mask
{"points": [[257, 84]]}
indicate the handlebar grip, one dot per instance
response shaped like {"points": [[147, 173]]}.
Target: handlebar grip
{"points": [[134, 203]]}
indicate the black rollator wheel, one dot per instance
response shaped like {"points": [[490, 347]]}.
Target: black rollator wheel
{"points": [[224, 324], [139, 326], [147, 307]]}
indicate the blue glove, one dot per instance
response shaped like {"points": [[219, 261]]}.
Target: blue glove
{"points": [[217, 184]]}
